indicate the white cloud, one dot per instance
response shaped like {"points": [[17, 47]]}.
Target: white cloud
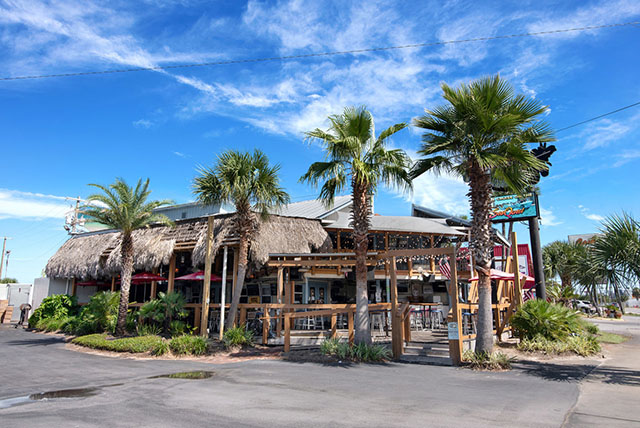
{"points": [[143, 123], [180, 154], [17, 204], [586, 212], [440, 192], [547, 218], [626, 157], [603, 133]]}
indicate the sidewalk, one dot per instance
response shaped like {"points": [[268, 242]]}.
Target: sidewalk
{"points": [[609, 395]]}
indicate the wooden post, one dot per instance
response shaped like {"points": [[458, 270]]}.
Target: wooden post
{"points": [[351, 335], [287, 331], [206, 285], [236, 258], [74, 286], [172, 273], [196, 318], [407, 327], [113, 284], [243, 316], [432, 262], [265, 326], [334, 325], [154, 286], [517, 287], [396, 330], [455, 343], [279, 291], [223, 290]]}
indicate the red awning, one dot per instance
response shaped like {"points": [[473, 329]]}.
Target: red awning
{"points": [[506, 276], [198, 276]]}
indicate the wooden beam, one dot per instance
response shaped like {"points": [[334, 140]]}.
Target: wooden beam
{"points": [[265, 326], [113, 284], [334, 325], [206, 285], [287, 332], [223, 290], [455, 344], [279, 291], [172, 273], [154, 286], [396, 329], [74, 286], [517, 286], [350, 325], [416, 252], [432, 262]]}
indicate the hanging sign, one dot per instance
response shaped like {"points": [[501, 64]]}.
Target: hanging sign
{"points": [[514, 208], [452, 329]]}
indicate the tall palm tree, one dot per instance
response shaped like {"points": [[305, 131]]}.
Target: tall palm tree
{"points": [[246, 181], [126, 209], [617, 253], [481, 135], [587, 272], [355, 157]]}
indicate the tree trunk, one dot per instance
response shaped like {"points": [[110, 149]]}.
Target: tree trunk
{"points": [[126, 253], [246, 224], [594, 292], [361, 210], [482, 246], [618, 298]]}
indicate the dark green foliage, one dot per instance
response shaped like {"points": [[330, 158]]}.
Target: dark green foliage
{"points": [[56, 307], [360, 352], [237, 336], [102, 311], [188, 345], [591, 328], [583, 345], [127, 344], [161, 348], [551, 321], [163, 312], [8, 281]]}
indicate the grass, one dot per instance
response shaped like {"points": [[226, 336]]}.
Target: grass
{"points": [[359, 353], [605, 337], [136, 344], [485, 361], [583, 345]]}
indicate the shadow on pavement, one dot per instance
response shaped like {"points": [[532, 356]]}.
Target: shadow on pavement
{"points": [[555, 372], [40, 341]]}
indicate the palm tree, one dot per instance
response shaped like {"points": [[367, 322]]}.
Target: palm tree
{"points": [[617, 253], [248, 182], [355, 157], [559, 259], [481, 135], [586, 271], [125, 209]]}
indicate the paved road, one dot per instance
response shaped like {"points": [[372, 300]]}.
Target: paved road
{"points": [[275, 393]]}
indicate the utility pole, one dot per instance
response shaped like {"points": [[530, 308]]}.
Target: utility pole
{"points": [[4, 247], [6, 266], [538, 267], [71, 225]]}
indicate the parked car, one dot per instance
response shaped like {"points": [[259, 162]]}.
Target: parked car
{"points": [[584, 306]]}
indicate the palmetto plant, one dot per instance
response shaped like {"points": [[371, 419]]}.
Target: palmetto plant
{"points": [[616, 253], [481, 134], [356, 158], [246, 181], [126, 209], [559, 259]]}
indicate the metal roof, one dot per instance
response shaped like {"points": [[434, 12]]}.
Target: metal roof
{"points": [[434, 214], [314, 208], [399, 224]]}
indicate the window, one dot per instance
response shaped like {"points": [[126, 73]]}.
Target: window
{"points": [[184, 214]]}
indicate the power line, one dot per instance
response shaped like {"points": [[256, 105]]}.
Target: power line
{"points": [[318, 54], [598, 117]]}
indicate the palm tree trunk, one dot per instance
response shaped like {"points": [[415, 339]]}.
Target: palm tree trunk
{"points": [[594, 292], [482, 245], [618, 297], [361, 243], [126, 252], [243, 252]]}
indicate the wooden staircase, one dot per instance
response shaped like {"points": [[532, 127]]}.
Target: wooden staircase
{"points": [[433, 351]]}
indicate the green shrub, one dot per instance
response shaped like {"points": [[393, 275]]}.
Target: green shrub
{"points": [[583, 345], [237, 336], [486, 361], [163, 311], [188, 345], [102, 311], [136, 344], [160, 348], [55, 307], [360, 352], [591, 328], [55, 324], [551, 321], [178, 328]]}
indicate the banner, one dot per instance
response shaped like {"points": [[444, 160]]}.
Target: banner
{"points": [[514, 208]]}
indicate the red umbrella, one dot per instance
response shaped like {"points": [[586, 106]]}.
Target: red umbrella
{"points": [[93, 283], [144, 277], [505, 276], [198, 276]]}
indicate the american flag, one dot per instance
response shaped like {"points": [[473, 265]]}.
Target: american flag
{"points": [[444, 268], [528, 294]]}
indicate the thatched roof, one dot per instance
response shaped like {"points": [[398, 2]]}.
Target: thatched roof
{"points": [[96, 255]]}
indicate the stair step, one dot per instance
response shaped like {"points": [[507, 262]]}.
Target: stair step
{"points": [[427, 360]]}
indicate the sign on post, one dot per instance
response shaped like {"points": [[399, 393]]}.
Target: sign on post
{"points": [[452, 329], [514, 208]]}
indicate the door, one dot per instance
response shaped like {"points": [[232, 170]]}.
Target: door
{"points": [[317, 292]]}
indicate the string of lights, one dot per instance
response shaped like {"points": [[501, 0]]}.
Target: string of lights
{"points": [[320, 54]]}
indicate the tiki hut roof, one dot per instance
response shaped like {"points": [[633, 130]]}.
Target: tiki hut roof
{"points": [[97, 255]]}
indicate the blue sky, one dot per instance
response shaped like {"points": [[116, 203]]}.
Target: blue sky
{"points": [[60, 134]]}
